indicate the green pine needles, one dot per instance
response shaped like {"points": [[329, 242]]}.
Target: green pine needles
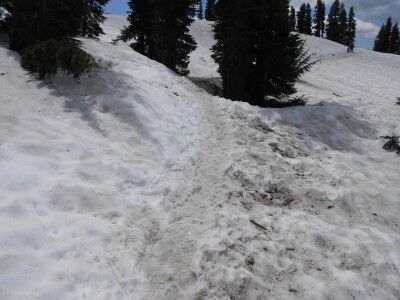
{"points": [[46, 58]]}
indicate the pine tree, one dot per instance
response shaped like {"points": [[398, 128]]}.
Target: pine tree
{"points": [[382, 42], [343, 24], [308, 20], [388, 32], [301, 19], [319, 19], [234, 48], [379, 44], [43, 32], [93, 16], [333, 28], [200, 15], [394, 40], [292, 19], [34, 21], [178, 42], [47, 57], [255, 50], [210, 10], [280, 55], [351, 27], [161, 31], [140, 21]]}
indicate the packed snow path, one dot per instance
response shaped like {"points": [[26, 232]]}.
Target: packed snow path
{"points": [[170, 256], [136, 184]]}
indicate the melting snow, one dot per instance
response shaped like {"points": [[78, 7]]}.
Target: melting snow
{"points": [[135, 184]]}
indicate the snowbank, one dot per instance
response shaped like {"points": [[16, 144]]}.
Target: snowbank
{"points": [[83, 165]]}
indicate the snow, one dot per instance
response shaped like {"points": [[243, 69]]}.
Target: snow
{"points": [[201, 64], [82, 164], [135, 184]]}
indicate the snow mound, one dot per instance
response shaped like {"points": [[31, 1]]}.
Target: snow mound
{"points": [[82, 165]]}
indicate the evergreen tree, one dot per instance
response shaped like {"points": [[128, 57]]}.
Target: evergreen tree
{"points": [[161, 31], [234, 48], [93, 16], [379, 44], [140, 21], [301, 19], [47, 57], [394, 40], [34, 21], [351, 27], [333, 28], [382, 42], [177, 43], [200, 15], [308, 21], [280, 56], [343, 24], [210, 10], [255, 50], [388, 32], [292, 19], [319, 19], [43, 32]]}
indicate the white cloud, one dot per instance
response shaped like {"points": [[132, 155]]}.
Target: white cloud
{"points": [[367, 29]]}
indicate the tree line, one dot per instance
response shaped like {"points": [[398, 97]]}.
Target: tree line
{"points": [[339, 26], [388, 39], [257, 54]]}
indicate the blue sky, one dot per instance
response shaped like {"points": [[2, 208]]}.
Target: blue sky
{"points": [[119, 7], [371, 14]]}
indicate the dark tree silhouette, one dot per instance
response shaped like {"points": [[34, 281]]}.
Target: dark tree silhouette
{"points": [[92, 18], [319, 19], [257, 54], [210, 10], [161, 31]]}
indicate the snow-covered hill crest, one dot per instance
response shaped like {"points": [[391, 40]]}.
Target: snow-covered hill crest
{"points": [[136, 184]]}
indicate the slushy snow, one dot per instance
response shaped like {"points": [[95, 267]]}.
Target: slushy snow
{"points": [[133, 183]]}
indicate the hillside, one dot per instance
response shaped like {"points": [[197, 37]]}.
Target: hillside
{"points": [[135, 184]]}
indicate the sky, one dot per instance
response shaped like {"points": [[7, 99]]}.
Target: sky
{"points": [[371, 14]]}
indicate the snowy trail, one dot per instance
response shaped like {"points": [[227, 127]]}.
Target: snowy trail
{"points": [[169, 257]]}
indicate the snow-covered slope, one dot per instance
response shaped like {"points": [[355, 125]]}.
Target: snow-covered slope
{"points": [[135, 184], [201, 63], [83, 170]]}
